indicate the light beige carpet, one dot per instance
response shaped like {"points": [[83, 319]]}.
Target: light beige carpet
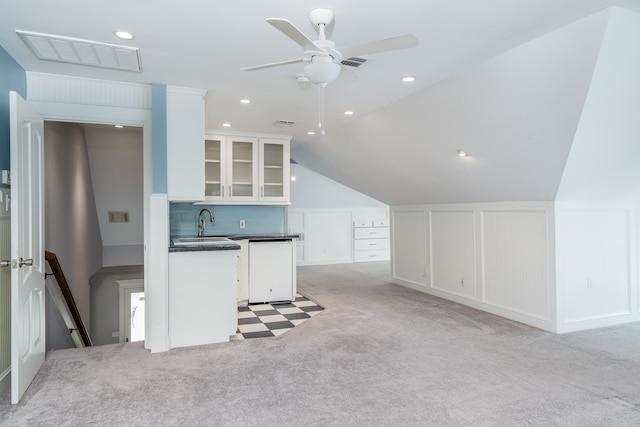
{"points": [[378, 355]]}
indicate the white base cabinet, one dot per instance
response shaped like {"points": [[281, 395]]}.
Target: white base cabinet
{"points": [[202, 297], [243, 272], [271, 271]]}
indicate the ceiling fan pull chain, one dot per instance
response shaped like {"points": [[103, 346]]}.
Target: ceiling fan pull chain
{"points": [[321, 108]]}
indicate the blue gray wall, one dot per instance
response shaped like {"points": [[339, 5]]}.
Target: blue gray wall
{"points": [[12, 77], [159, 137]]}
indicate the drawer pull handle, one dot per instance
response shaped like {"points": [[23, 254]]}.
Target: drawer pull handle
{"points": [[373, 244]]}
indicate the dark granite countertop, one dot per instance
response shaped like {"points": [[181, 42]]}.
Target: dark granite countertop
{"points": [[228, 246], [259, 237], [197, 247]]}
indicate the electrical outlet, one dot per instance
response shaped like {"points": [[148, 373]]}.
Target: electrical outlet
{"points": [[242, 224], [6, 177]]}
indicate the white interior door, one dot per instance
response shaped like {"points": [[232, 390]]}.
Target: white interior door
{"points": [[27, 245]]}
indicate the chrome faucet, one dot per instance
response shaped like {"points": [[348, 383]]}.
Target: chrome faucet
{"points": [[201, 221]]}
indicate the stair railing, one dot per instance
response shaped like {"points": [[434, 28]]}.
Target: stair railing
{"points": [[56, 271]]}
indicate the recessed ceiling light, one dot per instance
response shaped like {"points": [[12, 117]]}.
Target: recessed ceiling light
{"points": [[119, 126], [226, 125], [124, 35], [293, 178], [408, 79], [245, 101], [462, 153], [348, 113], [311, 132]]}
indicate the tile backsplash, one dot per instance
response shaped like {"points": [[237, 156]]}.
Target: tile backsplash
{"points": [[258, 219]]}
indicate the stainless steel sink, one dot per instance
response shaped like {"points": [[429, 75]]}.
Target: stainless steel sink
{"points": [[204, 241]]}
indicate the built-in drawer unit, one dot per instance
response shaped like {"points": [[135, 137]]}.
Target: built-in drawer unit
{"points": [[370, 240]]}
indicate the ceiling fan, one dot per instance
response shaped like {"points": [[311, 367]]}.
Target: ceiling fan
{"points": [[323, 59]]}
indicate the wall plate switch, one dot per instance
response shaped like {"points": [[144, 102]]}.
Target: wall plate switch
{"points": [[242, 223]]}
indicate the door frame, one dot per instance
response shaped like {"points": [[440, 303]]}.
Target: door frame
{"points": [[80, 100]]}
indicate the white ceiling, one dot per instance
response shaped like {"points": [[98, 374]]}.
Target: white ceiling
{"points": [[203, 44]]}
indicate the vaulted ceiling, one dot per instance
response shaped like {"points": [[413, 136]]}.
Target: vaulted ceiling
{"points": [[504, 80]]}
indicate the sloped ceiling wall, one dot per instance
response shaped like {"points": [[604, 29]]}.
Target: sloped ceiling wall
{"points": [[603, 163], [515, 114]]}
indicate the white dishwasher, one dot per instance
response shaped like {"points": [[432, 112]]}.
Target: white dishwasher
{"points": [[270, 271]]}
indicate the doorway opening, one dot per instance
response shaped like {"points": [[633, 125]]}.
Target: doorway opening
{"points": [[132, 310], [101, 169]]}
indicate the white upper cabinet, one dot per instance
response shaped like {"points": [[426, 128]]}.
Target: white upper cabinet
{"points": [[185, 133], [215, 168], [243, 169], [274, 170], [246, 170]]}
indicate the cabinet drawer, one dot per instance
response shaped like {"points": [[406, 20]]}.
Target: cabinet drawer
{"points": [[361, 224], [377, 255], [371, 244], [372, 233]]}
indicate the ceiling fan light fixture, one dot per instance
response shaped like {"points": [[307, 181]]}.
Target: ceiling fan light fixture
{"points": [[322, 70]]}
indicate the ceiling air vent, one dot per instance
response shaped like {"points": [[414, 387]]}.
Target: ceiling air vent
{"points": [[82, 52], [284, 123], [354, 62]]}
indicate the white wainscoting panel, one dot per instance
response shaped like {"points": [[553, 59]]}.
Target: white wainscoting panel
{"points": [[596, 263], [328, 237], [5, 294], [453, 261], [515, 269], [409, 246]]}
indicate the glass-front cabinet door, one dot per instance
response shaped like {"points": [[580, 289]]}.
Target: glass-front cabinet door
{"points": [[274, 170], [243, 169], [214, 168]]}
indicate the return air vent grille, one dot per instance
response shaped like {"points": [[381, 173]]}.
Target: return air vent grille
{"points": [[284, 123], [354, 62], [118, 217], [83, 52]]}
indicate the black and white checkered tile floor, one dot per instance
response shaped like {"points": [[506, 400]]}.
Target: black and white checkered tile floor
{"points": [[271, 320]]}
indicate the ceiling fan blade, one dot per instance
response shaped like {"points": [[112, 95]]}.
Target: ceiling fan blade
{"points": [[295, 34], [273, 64], [385, 45]]}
